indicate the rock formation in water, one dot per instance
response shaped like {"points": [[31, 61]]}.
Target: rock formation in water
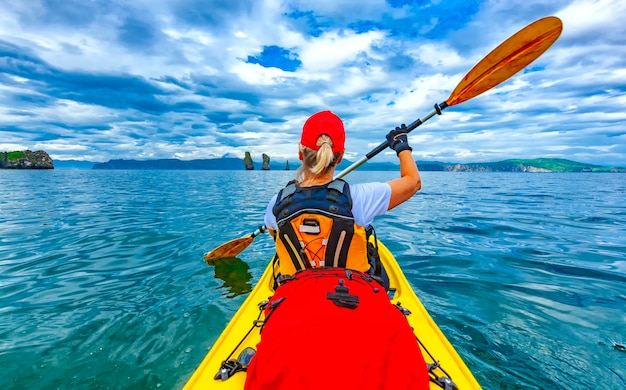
{"points": [[287, 165], [266, 163], [247, 162], [25, 160]]}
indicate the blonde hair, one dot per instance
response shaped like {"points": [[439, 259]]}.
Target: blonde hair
{"points": [[317, 162]]}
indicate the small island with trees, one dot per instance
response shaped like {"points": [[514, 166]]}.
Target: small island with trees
{"points": [[25, 160]]}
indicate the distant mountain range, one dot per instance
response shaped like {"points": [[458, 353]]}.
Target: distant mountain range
{"points": [[230, 163]]}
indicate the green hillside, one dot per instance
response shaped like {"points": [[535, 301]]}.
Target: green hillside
{"points": [[561, 165]]}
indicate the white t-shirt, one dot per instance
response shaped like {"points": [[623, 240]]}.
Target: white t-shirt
{"points": [[368, 201]]}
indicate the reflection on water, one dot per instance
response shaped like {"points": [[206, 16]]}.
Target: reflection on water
{"points": [[235, 273]]}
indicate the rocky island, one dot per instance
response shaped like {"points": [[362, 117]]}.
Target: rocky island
{"points": [[266, 165], [25, 160], [266, 162], [248, 163]]}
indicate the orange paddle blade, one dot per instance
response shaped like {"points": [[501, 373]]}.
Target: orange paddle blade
{"points": [[508, 58], [230, 249]]}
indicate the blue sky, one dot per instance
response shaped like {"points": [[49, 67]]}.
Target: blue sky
{"points": [[103, 79]]}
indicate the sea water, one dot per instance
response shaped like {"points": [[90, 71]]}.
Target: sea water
{"points": [[102, 283]]}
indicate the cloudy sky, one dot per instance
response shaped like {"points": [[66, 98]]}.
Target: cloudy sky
{"points": [[102, 79]]}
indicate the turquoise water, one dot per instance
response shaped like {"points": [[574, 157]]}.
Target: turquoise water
{"points": [[103, 285]]}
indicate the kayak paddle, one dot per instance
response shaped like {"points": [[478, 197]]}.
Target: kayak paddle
{"points": [[511, 56]]}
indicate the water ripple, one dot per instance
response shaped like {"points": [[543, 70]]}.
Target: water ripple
{"points": [[103, 284]]}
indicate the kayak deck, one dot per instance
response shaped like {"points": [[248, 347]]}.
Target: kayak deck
{"points": [[436, 349]]}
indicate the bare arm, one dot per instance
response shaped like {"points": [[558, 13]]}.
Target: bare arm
{"points": [[408, 184]]}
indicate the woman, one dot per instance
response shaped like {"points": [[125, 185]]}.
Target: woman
{"points": [[330, 324], [320, 150]]}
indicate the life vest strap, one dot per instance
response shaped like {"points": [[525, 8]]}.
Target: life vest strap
{"points": [[287, 191], [336, 189]]}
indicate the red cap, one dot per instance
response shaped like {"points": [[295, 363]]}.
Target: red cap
{"points": [[324, 122]]}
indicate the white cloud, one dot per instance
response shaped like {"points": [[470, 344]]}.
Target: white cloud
{"points": [[585, 16], [376, 65], [332, 49], [437, 55], [12, 147]]}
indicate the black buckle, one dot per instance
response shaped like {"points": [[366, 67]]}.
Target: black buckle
{"points": [[232, 366], [445, 383], [442, 381], [228, 369], [342, 298], [402, 309], [284, 278]]}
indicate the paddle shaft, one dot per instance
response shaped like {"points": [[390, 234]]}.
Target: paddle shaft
{"points": [[384, 145], [262, 229]]}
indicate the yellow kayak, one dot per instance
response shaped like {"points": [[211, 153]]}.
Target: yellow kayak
{"points": [[446, 368]]}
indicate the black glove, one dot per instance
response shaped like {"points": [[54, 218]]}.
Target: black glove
{"points": [[397, 139]]}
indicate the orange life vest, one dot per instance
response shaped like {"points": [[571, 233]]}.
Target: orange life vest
{"points": [[316, 229]]}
